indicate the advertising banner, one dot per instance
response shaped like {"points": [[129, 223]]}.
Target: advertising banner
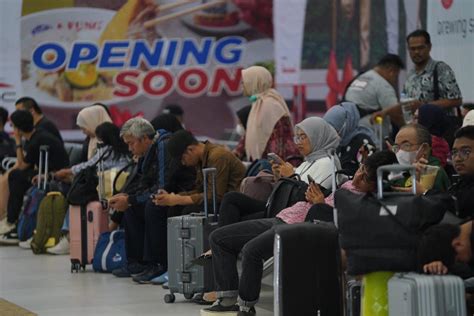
{"points": [[136, 56], [451, 26]]}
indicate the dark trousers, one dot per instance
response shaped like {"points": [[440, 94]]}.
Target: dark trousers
{"points": [[19, 181], [255, 240], [237, 207], [145, 233]]}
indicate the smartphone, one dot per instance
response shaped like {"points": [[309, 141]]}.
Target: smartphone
{"points": [[388, 140], [311, 180], [275, 158], [422, 151]]}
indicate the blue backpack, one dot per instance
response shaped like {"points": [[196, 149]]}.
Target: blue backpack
{"points": [[110, 252], [27, 220], [257, 166]]}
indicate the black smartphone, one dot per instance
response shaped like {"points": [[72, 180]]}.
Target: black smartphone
{"points": [[275, 158], [388, 140], [310, 179]]}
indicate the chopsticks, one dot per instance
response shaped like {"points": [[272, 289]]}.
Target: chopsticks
{"points": [[156, 21], [169, 6]]}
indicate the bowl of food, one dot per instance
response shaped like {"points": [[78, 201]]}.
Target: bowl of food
{"points": [[65, 28]]}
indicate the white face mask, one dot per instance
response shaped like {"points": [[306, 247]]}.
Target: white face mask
{"points": [[240, 130], [406, 157]]}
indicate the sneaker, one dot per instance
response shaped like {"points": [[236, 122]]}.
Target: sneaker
{"points": [[62, 248], [10, 238], [218, 309], [250, 312], [26, 244], [131, 269], [162, 279], [149, 274], [166, 286], [6, 227]]}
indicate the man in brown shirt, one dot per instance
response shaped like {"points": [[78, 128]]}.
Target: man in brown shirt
{"points": [[230, 170]]}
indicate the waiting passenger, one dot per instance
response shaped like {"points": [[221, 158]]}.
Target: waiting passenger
{"points": [[23, 172], [269, 127]]}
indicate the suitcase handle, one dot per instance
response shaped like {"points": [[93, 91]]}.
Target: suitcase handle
{"points": [[43, 160], [205, 173]]}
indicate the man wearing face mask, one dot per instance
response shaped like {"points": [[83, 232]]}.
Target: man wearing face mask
{"points": [[413, 144]]}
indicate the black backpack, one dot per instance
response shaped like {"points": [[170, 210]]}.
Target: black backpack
{"points": [[286, 192]]}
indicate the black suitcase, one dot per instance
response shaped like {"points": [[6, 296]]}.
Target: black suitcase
{"points": [[307, 272]]}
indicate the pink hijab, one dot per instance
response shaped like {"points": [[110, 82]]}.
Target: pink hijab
{"points": [[268, 108]]}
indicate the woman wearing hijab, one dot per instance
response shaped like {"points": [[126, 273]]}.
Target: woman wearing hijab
{"points": [[345, 118], [434, 119], [88, 120], [315, 139], [269, 128]]}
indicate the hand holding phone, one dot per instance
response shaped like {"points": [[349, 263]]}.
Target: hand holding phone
{"points": [[275, 158], [311, 180]]}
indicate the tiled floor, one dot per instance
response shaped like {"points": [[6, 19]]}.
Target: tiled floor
{"points": [[43, 284]]}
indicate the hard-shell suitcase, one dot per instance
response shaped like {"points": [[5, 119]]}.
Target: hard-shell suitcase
{"points": [[188, 237], [413, 294], [307, 270], [86, 223], [353, 295]]}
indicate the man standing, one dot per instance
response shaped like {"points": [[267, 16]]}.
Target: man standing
{"points": [[421, 81], [374, 91]]}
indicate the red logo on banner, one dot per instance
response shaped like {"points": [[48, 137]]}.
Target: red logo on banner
{"points": [[4, 85], [447, 3]]}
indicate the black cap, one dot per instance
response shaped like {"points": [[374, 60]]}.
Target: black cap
{"points": [[173, 109]]}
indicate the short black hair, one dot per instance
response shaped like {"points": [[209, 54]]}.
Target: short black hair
{"points": [[436, 244], [420, 33], [391, 60], [423, 135], [23, 120], [179, 142], [468, 106], [466, 131], [167, 122], [173, 109], [3, 115], [378, 159], [29, 103]]}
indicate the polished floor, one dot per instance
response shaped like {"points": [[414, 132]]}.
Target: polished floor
{"points": [[44, 285]]}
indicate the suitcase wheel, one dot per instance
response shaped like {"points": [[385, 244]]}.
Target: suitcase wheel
{"points": [[75, 267], [170, 298], [188, 296]]}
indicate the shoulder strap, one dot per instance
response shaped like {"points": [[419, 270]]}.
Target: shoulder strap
{"points": [[131, 163], [435, 82], [160, 147]]}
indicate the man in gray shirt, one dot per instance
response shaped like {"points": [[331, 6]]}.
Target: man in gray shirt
{"points": [[374, 91]]}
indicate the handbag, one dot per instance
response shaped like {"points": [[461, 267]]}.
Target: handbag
{"points": [[84, 185], [258, 187], [375, 230]]}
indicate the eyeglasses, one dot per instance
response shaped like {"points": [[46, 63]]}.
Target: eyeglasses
{"points": [[404, 146], [298, 139], [462, 153]]}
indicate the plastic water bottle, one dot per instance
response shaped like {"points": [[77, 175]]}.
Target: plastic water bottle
{"points": [[405, 103]]}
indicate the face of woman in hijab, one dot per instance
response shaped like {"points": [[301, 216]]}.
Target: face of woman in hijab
{"points": [[302, 142], [87, 132]]}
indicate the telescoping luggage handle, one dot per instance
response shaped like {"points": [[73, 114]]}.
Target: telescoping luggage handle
{"points": [[43, 160], [205, 174], [332, 152], [394, 168]]}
